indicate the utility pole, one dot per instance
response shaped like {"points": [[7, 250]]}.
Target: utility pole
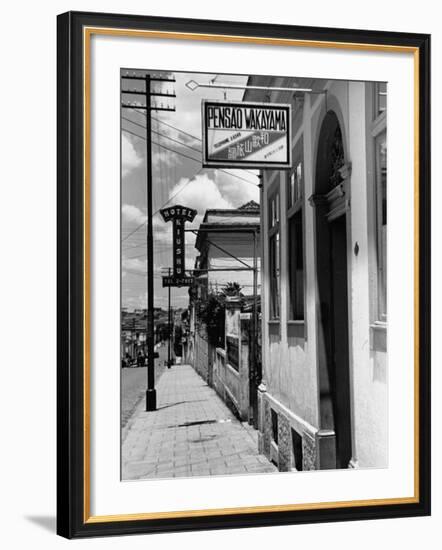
{"points": [[148, 106], [134, 339]]}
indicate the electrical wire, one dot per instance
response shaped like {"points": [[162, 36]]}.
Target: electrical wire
{"points": [[168, 200], [191, 158]]}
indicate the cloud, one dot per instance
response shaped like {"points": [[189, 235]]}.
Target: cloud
{"points": [[129, 156], [237, 190], [135, 302], [191, 140], [139, 265], [135, 264], [132, 214], [162, 231], [162, 158], [200, 193]]}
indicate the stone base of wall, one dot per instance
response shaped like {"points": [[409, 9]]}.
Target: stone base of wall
{"points": [[285, 439], [267, 428]]}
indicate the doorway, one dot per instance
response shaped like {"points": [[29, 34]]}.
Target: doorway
{"points": [[333, 321], [339, 340]]}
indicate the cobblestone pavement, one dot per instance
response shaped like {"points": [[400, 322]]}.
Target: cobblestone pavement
{"points": [[192, 433]]}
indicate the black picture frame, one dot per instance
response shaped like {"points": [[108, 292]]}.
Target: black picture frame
{"points": [[72, 393]]}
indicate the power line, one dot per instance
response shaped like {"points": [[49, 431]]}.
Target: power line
{"points": [[141, 273], [168, 148], [183, 132], [143, 255], [168, 200], [179, 190], [163, 135], [174, 140], [177, 153], [164, 246], [173, 127], [134, 231], [191, 158]]}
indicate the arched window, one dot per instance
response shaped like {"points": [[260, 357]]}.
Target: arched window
{"points": [[330, 157]]}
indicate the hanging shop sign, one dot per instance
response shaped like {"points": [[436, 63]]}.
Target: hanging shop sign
{"points": [[178, 215], [170, 280], [246, 135]]}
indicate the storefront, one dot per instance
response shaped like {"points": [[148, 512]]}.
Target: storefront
{"points": [[323, 395]]}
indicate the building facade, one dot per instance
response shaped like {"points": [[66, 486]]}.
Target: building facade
{"points": [[133, 332], [228, 242], [323, 394]]}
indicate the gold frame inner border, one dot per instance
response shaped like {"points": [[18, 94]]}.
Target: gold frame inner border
{"points": [[88, 32]]}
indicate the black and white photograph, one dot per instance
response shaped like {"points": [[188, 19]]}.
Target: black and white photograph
{"points": [[225, 345], [253, 274]]}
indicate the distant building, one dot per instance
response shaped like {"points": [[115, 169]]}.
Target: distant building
{"points": [[134, 328], [227, 239], [133, 332], [228, 242]]}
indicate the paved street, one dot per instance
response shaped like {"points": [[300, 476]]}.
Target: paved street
{"points": [[133, 384], [192, 433]]}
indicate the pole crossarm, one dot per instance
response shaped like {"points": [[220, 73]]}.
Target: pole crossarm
{"points": [[147, 108], [142, 92]]}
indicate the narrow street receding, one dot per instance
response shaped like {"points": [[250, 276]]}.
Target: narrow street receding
{"points": [[192, 433]]}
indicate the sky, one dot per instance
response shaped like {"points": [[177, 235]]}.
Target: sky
{"points": [[178, 178]]}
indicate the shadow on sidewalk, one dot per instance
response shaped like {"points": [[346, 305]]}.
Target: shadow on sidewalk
{"points": [[179, 403]]}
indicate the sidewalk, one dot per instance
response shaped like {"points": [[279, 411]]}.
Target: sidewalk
{"points": [[192, 433]]}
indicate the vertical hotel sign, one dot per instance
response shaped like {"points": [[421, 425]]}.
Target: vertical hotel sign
{"points": [[246, 135], [178, 215]]}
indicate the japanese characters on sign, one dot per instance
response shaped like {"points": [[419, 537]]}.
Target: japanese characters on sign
{"points": [[237, 135], [178, 215]]}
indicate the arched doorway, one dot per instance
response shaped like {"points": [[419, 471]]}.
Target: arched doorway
{"points": [[331, 202]]}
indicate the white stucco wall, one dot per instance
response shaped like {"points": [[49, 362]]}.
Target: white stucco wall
{"points": [[290, 349]]}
